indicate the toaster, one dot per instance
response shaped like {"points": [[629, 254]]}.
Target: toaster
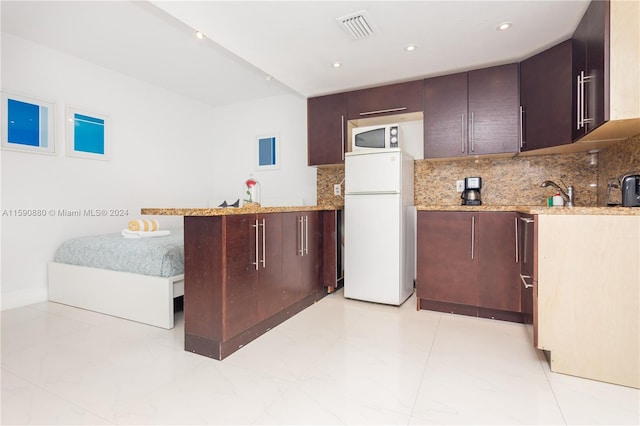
{"points": [[630, 187]]}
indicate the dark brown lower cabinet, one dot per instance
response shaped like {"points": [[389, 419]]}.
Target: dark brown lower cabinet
{"points": [[246, 273], [301, 257], [528, 236], [498, 261], [467, 263]]}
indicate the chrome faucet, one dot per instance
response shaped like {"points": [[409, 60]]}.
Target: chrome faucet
{"points": [[567, 195]]}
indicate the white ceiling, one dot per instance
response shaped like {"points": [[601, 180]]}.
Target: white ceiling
{"points": [[295, 42]]}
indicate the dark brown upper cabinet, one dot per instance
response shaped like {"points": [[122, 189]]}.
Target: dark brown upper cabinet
{"points": [[392, 99], [546, 98], [590, 72], [472, 113], [326, 129]]}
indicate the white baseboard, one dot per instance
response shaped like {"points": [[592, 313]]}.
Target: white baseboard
{"points": [[20, 298]]}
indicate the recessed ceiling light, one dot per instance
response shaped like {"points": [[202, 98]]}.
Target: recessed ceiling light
{"points": [[504, 26], [411, 48], [336, 65], [199, 35]]}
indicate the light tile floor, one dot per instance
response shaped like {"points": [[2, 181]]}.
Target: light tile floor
{"points": [[338, 362]]}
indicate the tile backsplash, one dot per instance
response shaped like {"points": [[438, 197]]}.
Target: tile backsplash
{"points": [[616, 160], [509, 181]]}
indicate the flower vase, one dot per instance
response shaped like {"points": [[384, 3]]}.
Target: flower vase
{"points": [[252, 193]]}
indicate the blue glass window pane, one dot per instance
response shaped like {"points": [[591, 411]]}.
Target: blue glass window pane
{"points": [[267, 151], [88, 134], [24, 123]]}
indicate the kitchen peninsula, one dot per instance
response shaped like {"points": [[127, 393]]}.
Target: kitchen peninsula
{"points": [[249, 269]]}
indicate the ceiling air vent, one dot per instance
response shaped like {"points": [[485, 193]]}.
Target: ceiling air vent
{"points": [[358, 25]]}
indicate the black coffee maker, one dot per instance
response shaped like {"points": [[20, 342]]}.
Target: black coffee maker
{"points": [[471, 194]]}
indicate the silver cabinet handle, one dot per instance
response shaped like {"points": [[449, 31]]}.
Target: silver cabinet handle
{"points": [[306, 235], [462, 133], [581, 80], [472, 133], [473, 234], [522, 141], [524, 281], [255, 225], [526, 220], [581, 107], [382, 111], [342, 135], [301, 239], [578, 106], [264, 254], [517, 254]]}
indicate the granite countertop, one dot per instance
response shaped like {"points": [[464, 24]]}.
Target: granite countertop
{"points": [[227, 211], [616, 211]]}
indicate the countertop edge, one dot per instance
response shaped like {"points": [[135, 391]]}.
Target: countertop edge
{"points": [[227, 211], [541, 210]]}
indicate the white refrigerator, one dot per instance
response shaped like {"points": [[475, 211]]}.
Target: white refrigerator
{"points": [[379, 226]]}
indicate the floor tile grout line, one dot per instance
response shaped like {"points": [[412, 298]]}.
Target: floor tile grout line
{"points": [[541, 361], [424, 370], [60, 397]]}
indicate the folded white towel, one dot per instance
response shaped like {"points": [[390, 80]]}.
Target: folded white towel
{"points": [[144, 234], [143, 225]]}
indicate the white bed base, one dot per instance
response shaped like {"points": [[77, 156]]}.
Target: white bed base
{"points": [[135, 297]]}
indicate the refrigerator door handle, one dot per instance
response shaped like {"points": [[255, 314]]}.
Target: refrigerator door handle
{"points": [[373, 193]]}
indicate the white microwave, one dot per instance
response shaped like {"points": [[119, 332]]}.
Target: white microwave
{"points": [[375, 137]]}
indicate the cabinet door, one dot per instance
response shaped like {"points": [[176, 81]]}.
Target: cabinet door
{"points": [[392, 99], [241, 304], [590, 50], [546, 97], [528, 271], [292, 246], [446, 256], [597, 96], [494, 110], [498, 263], [326, 129], [445, 116], [302, 255], [312, 259], [269, 286]]}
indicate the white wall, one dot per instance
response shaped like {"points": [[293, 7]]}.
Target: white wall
{"points": [[161, 146], [167, 151], [237, 127]]}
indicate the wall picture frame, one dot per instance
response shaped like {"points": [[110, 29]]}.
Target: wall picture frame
{"points": [[88, 134], [268, 152], [28, 124]]}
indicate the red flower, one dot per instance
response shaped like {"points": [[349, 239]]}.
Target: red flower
{"points": [[250, 183]]}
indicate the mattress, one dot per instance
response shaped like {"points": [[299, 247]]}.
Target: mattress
{"points": [[158, 256]]}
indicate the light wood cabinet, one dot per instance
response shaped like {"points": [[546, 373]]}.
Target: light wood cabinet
{"points": [[588, 304]]}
